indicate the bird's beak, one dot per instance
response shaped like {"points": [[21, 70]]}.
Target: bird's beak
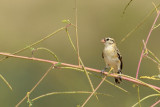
{"points": [[102, 41]]}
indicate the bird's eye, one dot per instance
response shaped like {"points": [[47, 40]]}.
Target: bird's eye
{"points": [[107, 39]]}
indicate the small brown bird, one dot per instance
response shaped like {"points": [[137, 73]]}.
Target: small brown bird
{"points": [[112, 57]]}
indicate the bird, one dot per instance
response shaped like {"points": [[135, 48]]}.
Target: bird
{"points": [[112, 57]]}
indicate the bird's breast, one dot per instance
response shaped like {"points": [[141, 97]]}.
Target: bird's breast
{"points": [[110, 56], [109, 51]]}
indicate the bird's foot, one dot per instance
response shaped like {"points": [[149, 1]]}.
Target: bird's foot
{"points": [[102, 71], [118, 79]]}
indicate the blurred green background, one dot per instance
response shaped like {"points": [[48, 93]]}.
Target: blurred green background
{"points": [[23, 22]]}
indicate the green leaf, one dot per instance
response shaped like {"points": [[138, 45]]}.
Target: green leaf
{"points": [[66, 21], [32, 49]]}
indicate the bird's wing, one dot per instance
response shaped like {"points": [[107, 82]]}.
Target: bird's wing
{"points": [[102, 55], [120, 58]]}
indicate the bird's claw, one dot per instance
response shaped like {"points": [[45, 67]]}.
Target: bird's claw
{"points": [[102, 72]]}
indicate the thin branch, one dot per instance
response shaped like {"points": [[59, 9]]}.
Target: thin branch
{"points": [[69, 92], [139, 24], [127, 6], [77, 32], [156, 26], [146, 50], [151, 59], [6, 82], [49, 51], [146, 54], [136, 81], [153, 55], [155, 103], [145, 84], [35, 85], [81, 62], [98, 76], [35, 43], [94, 91], [152, 95], [138, 96], [146, 43], [155, 7]]}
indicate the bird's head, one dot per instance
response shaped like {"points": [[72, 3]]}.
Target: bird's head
{"points": [[108, 41]]}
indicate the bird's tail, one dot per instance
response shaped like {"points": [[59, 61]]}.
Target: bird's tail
{"points": [[118, 79]]}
